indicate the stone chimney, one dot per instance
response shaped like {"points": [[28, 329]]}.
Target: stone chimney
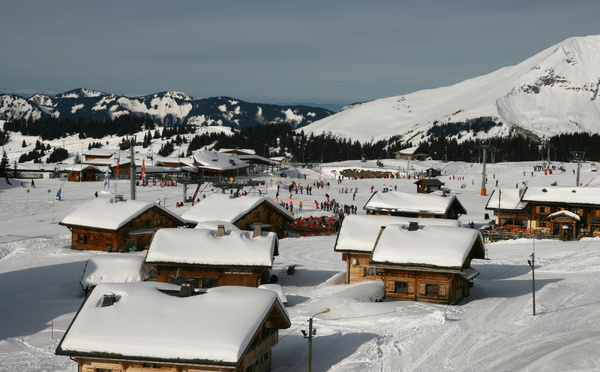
{"points": [[257, 229], [220, 231]]}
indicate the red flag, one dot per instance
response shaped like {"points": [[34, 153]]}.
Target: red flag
{"points": [[118, 161], [144, 169]]}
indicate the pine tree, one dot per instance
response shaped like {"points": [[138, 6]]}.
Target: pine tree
{"points": [[4, 165]]}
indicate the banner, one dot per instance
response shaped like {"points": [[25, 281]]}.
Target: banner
{"points": [[106, 179], [118, 161], [143, 169]]}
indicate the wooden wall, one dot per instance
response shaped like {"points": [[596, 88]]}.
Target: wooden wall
{"points": [[451, 287], [92, 365], [226, 276], [87, 238], [264, 213], [358, 272]]}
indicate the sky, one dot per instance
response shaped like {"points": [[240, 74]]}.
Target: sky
{"points": [[327, 52]]}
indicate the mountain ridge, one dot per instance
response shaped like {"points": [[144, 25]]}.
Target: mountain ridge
{"points": [[166, 108]]}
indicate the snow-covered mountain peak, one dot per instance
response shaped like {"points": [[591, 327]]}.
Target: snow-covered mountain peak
{"points": [[41, 100], [80, 93], [553, 92], [174, 95]]}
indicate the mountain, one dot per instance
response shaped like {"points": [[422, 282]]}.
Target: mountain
{"points": [[166, 108], [553, 92]]}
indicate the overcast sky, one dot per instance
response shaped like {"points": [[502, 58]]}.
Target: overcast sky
{"points": [[274, 51]]}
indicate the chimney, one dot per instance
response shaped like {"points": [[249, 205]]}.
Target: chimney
{"points": [[444, 193], [257, 229], [185, 290], [413, 226], [109, 299], [220, 231]]}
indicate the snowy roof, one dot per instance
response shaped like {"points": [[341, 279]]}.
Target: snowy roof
{"points": [[409, 150], [359, 232], [510, 199], [218, 161], [558, 194], [101, 161], [36, 167], [240, 151], [223, 207], [101, 152], [104, 213], [564, 213], [145, 323], [203, 247], [440, 246], [277, 289], [257, 158], [396, 201], [114, 268], [80, 167], [213, 225]]}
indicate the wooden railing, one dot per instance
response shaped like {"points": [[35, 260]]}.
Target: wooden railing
{"points": [[262, 347], [494, 235]]}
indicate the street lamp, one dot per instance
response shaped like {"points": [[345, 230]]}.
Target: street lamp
{"points": [[310, 335]]}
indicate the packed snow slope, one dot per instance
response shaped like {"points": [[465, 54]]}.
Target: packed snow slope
{"points": [[492, 330], [553, 92]]}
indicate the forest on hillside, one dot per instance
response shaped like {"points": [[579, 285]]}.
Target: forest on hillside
{"points": [[279, 139]]}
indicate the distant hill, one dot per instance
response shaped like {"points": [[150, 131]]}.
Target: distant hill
{"points": [[166, 108], [553, 92]]}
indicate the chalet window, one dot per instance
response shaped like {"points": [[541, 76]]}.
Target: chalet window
{"points": [[371, 271], [542, 223], [401, 287], [146, 223], [542, 209], [81, 238], [151, 365], [210, 282], [103, 370], [94, 238], [432, 289], [159, 221], [576, 210]]}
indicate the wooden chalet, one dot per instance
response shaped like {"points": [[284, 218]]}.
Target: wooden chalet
{"points": [[356, 239], [99, 154], [396, 203], [566, 212], [509, 208], [241, 211], [83, 172], [409, 153], [427, 263], [212, 258], [428, 185], [219, 165], [433, 172], [150, 326], [106, 225]]}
